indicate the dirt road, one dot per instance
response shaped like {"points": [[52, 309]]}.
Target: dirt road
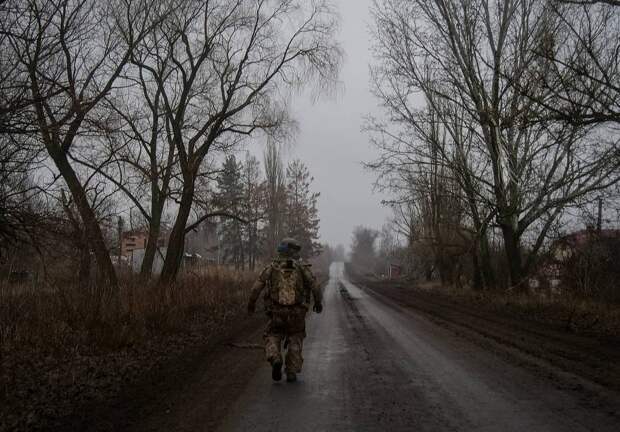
{"points": [[373, 365], [386, 359]]}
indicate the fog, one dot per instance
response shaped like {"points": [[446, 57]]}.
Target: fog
{"points": [[330, 139]]}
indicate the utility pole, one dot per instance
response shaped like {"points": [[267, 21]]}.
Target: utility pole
{"points": [[219, 243], [120, 239], [599, 220]]}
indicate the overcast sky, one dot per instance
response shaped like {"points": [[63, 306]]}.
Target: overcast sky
{"points": [[330, 140]]}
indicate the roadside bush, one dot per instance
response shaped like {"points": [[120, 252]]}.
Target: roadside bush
{"points": [[593, 270]]}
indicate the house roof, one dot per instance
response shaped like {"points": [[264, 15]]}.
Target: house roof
{"points": [[582, 237], [135, 232]]}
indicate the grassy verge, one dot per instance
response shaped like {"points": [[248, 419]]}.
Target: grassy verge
{"points": [[61, 348], [561, 312], [567, 313]]}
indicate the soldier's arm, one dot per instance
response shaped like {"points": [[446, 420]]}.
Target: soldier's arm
{"points": [[257, 288], [312, 285]]}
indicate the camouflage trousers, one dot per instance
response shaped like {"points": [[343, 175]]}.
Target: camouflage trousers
{"points": [[287, 325]]}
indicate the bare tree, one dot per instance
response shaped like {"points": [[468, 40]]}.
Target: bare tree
{"points": [[578, 57], [592, 2], [18, 152], [230, 59], [429, 209], [475, 56], [20, 207], [432, 149], [14, 95], [101, 199], [139, 156], [364, 249], [70, 54]]}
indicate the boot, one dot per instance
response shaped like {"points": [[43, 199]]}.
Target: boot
{"points": [[291, 377], [276, 370]]}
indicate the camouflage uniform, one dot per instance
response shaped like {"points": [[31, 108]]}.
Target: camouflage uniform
{"points": [[285, 322]]}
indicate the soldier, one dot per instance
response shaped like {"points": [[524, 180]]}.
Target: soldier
{"points": [[290, 284]]}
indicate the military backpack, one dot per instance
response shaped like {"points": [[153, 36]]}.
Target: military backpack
{"points": [[287, 283]]}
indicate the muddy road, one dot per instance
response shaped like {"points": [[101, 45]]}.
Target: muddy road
{"points": [[374, 363]]}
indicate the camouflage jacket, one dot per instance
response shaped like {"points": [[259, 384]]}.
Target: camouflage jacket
{"points": [[310, 288]]}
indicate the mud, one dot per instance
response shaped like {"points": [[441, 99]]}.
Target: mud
{"points": [[384, 359], [594, 359], [375, 363]]}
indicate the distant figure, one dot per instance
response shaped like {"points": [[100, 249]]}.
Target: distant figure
{"points": [[290, 284]]}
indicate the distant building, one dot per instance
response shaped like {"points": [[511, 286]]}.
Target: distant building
{"points": [[133, 240], [201, 246], [137, 239], [133, 246], [563, 248]]}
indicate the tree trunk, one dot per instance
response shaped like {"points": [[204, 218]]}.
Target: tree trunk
{"points": [[106, 274], [487, 273], [176, 243], [512, 248], [253, 245], [152, 243], [429, 273], [150, 251], [85, 261], [484, 277], [477, 278]]}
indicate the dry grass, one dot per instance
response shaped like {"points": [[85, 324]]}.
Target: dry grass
{"points": [[563, 311], [57, 318], [63, 346]]}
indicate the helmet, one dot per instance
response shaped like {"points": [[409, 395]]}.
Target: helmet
{"points": [[289, 246]]}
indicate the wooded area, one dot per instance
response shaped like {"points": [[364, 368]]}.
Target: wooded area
{"points": [[120, 113], [501, 127]]}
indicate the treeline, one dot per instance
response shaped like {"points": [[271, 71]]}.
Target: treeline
{"points": [[501, 123], [257, 211], [106, 106]]}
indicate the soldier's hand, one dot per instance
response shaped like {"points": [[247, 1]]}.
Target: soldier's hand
{"points": [[251, 308], [318, 307]]}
